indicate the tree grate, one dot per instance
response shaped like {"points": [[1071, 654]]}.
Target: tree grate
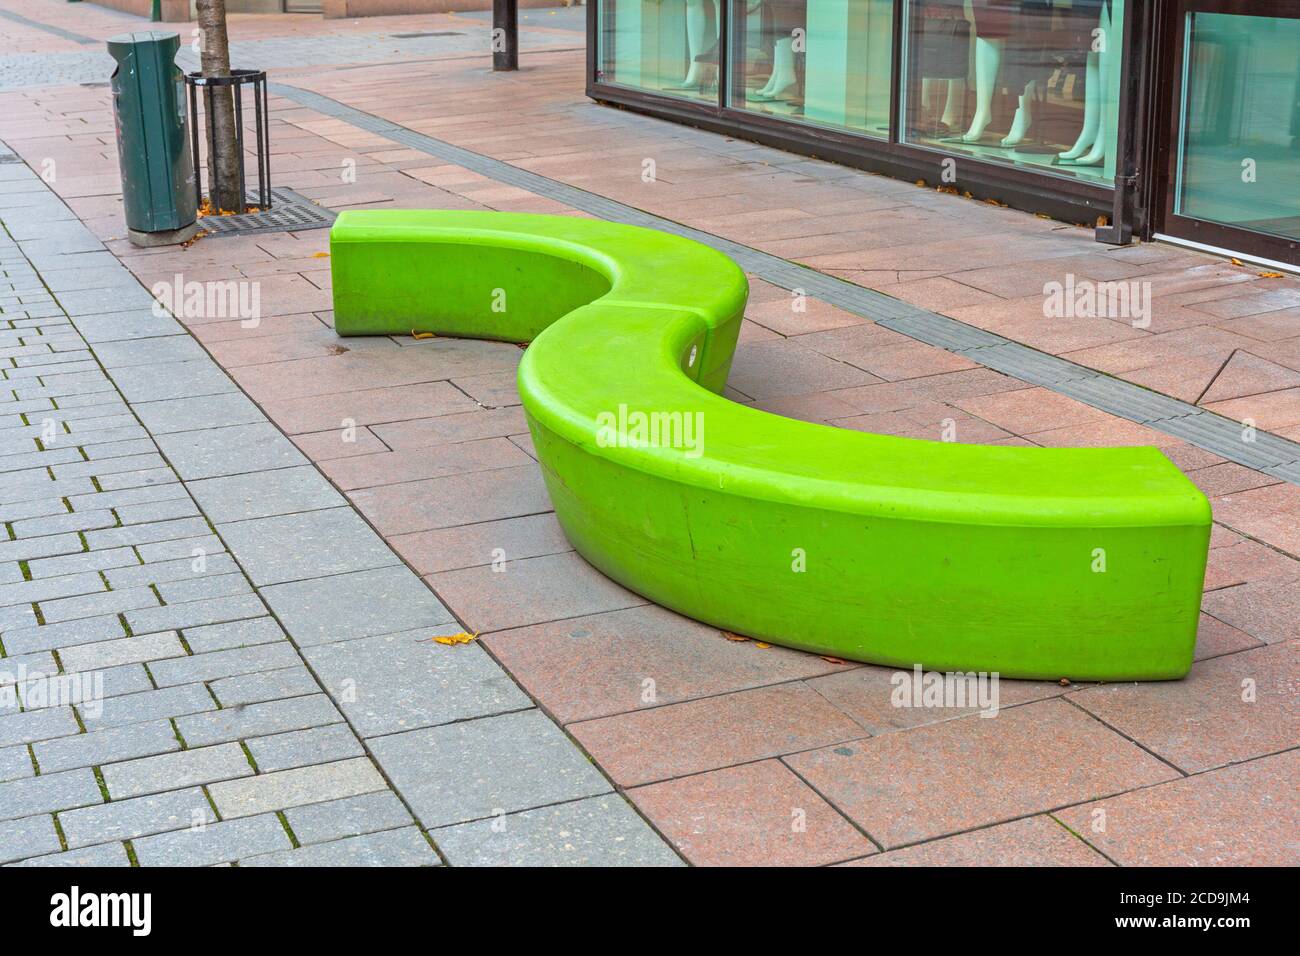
{"points": [[290, 212]]}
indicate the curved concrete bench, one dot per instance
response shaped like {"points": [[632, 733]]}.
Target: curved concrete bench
{"points": [[1032, 562]]}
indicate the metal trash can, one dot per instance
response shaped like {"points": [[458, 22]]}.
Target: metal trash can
{"points": [[158, 193]]}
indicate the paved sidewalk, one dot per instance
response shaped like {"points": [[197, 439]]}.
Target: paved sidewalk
{"points": [[733, 752]]}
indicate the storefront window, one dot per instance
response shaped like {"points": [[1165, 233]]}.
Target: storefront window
{"points": [[664, 46], [822, 61], [1238, 163], [1026, 82]]}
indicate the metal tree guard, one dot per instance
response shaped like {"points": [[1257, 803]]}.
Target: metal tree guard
{"points": [[238, 80]]}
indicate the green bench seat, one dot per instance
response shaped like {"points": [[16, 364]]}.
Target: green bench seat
{"points": [[1031, 562]]}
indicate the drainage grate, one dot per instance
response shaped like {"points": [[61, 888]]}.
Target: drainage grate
{"points": [[291, 212]]}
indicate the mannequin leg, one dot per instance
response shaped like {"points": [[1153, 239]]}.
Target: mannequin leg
{"points": [[988, 61], [1024, 116], [697, 26], [1091, 111], [955, 105], [783, 76], [1097, 154]]}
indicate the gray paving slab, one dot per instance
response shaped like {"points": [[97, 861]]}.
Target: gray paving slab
{"points": [[30, 836], [151, 383], [598, 831], [134, 708], [198, 412], [185, 768], [258, 720], [154, 351], [288, 788], [233, 634], [111, 745], [309, 545], [106, 854], [119, 326], [394, 683], [481, 768], [225, 663], [15, 763], [218, 843], [405, 847], [333, 819], [264, 494], [47, 793], [294, 681], [360, 604], [137, 817], [303, 748], [231, 450]]}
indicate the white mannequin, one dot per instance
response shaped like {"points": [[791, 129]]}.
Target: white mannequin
{"points": [[1024, 116], [1090, 148], [988, 62], [783, 77], [698, 41], [956, 99]]}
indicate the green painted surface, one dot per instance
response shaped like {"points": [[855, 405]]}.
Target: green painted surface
{"points": [[1032, 562]]}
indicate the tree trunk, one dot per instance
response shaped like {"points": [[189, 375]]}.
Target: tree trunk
{"points": [[214, 60]]}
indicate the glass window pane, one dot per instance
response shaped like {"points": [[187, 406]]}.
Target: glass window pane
{"points": [[820, 61], [1241, 123], [1025, 82], [665, 46]]}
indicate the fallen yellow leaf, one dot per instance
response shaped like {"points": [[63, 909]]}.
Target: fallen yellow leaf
{"points": [[421, 335], [462, 638], [761, 645], [734, 637], [1270, 275], [1236, 262], [320, 255]]}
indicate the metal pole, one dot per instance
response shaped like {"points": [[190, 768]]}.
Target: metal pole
{"points": [[505, 34]]}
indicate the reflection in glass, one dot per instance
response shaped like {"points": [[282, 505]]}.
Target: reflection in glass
{"points": [[822, 61], [1028, 82], [1238, 163], [665, 46]]}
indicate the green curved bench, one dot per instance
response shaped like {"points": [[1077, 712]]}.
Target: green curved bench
{"points": [[1031, 562]]}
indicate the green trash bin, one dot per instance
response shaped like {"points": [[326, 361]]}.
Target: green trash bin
{"points": [[153, 144]]}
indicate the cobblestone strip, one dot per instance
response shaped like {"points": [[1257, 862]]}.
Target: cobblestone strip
{"points": [[206, 655]]}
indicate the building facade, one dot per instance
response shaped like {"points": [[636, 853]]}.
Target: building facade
{"points": [[1177, 119]]}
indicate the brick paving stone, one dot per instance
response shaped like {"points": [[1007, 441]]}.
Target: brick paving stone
{"points": [[294, 681], [256, 720], [939, 779], [136, 817], [233, 634], [478, 768], [359, 604], [227, 663], [196, 613], [15, 762], [394, 683], [759, 814], [596, 666], [333, 819], [218, 843], [43, 724], [287, 788], [1266, 610], [1033, 841], [106, 854], [1228, 709], [106, 746], [1243, 815], [30, 836], [126, 650], [698, 735], [48, 792], [304, 748], [531, 591], [405, 847], [186, 768], [308, 545], [134, 708]]}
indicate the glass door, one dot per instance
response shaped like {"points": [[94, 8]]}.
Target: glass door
{"points": [[1234, 150]]}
